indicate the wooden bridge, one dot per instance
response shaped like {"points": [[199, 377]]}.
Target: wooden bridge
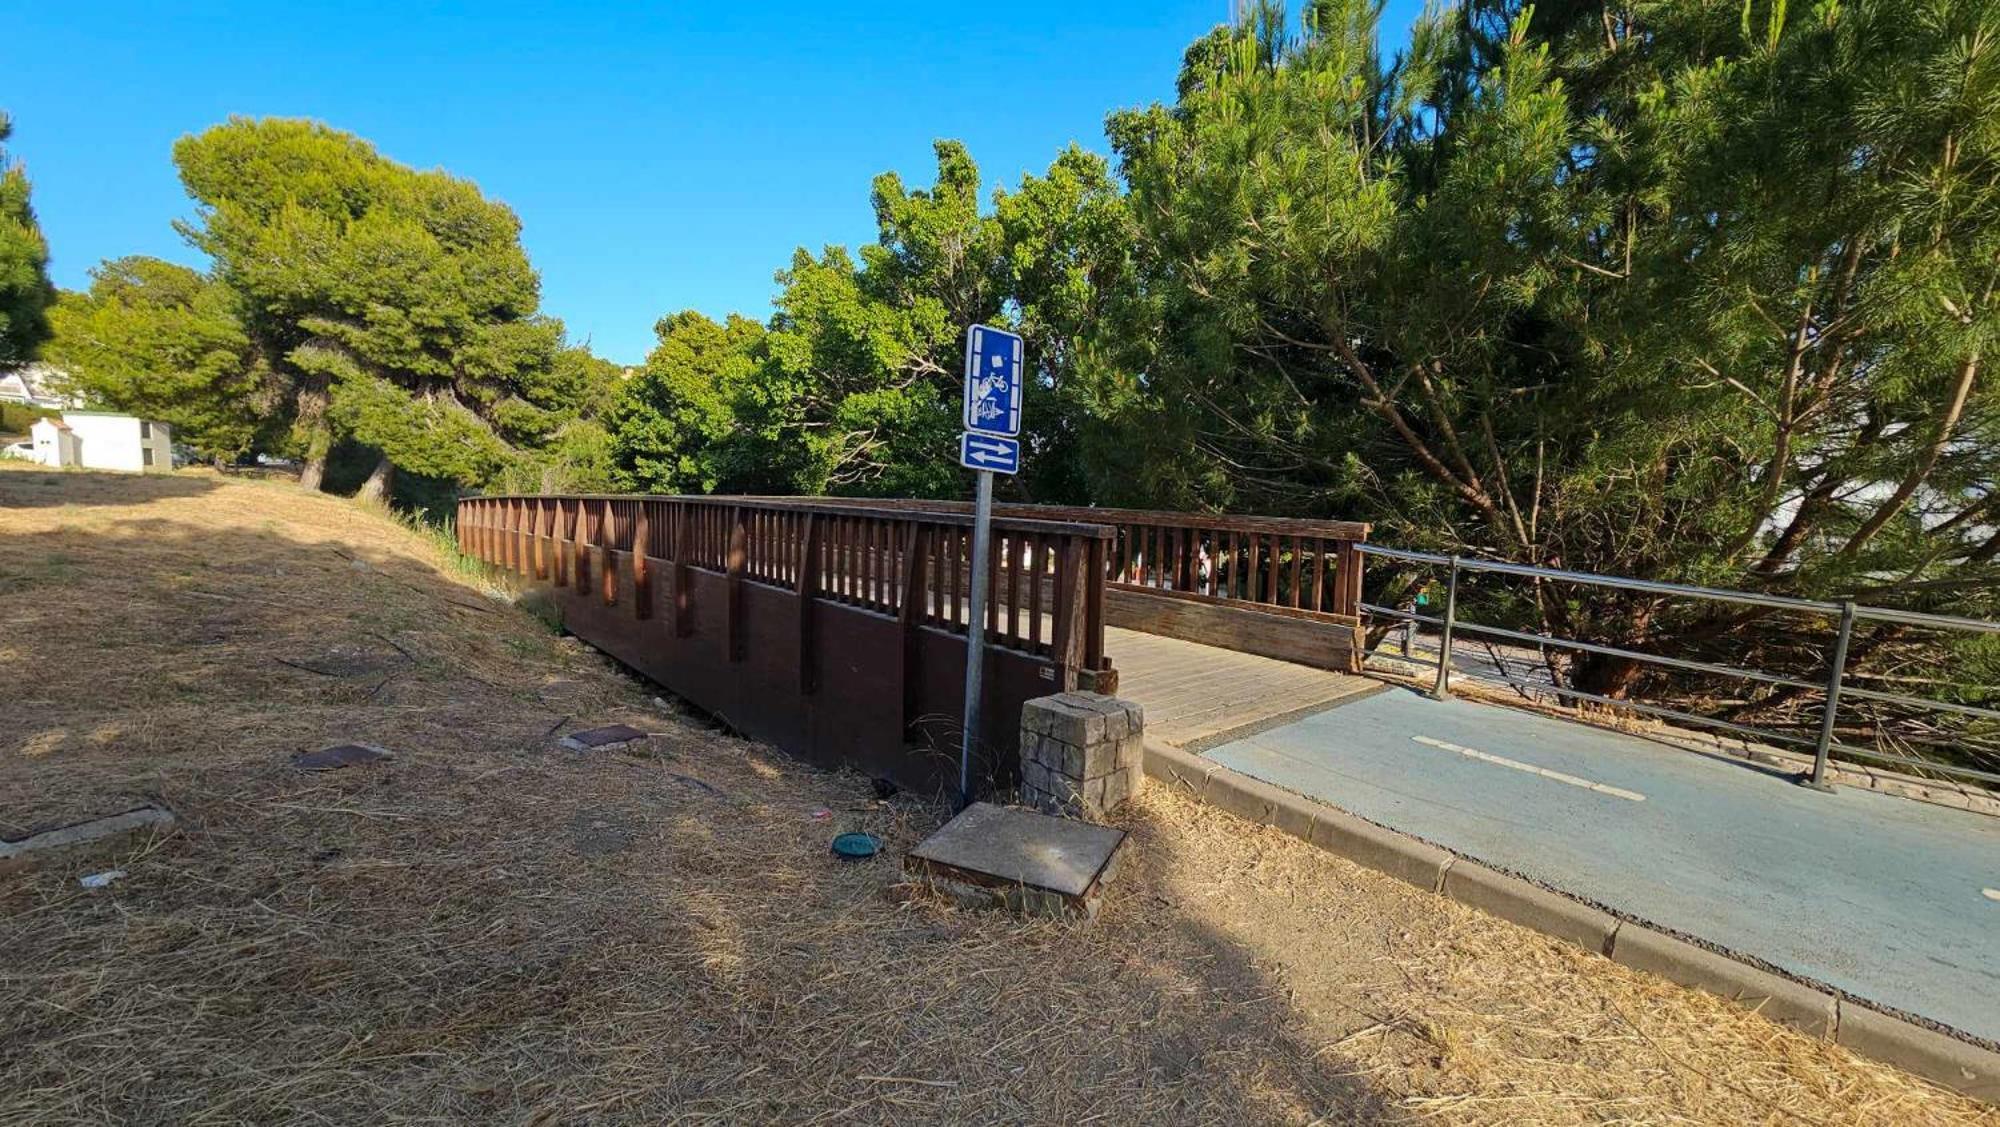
{"points": [[836, 628]]}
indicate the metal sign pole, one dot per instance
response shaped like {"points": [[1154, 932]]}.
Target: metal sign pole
{"points": [[983, 514], [991, 444], [975, 631]]}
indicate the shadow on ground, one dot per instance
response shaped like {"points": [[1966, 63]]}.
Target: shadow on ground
{"points": [[487, 926], [22, 488]]}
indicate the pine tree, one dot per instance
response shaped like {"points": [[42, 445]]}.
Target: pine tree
{"points": [[25, 290]]}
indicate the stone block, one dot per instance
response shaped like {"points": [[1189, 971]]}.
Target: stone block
{"points": [[1098, 760], [1116, 789], [1132, 750]]}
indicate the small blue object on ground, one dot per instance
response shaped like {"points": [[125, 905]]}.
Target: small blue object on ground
{"points": [[856, 846]]}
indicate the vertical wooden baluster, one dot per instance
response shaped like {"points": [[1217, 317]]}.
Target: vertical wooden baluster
{"points": [[910, 613], [1013, 561], [684, 551], [1298, 551], [1271, 561], [884, 568], [1067, 643], [607, 534], [739, 558], [642, 568], [992, 626], [1037, 564], [579, 564], [935, 545], [808, 588], [1319, 574], [864, 561], [956, 605], [853, 569], [1350, 562]]}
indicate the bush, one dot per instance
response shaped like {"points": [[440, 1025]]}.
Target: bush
{"points": [[16, 418]]}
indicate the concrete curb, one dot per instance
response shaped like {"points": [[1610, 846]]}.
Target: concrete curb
{"points": [[1530, 905], [1959, 1065], [1779, 998]]}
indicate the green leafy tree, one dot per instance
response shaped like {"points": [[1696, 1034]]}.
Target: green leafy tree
{"points": [[397, 305], [1698, 291], [162, 341], [675, 430], [25, 290]]}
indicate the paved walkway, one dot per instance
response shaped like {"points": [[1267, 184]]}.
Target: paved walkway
{"points": [[1891, 900], [1193, 692]]}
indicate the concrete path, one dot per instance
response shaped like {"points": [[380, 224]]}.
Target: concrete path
{"points": [[1890, 900], [1192, 692]]}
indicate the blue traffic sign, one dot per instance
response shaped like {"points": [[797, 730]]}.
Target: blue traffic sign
{"points": [[992, 381], [989, 452]]}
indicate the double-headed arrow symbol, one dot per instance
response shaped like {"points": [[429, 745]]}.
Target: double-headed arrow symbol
{"points": [[985, 450]]}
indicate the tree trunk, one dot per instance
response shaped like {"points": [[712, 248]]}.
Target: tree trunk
{"points": [[1605, 675], [1608, 675], [313, 429], [380, 480]]}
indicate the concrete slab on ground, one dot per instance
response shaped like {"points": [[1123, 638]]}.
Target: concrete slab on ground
{"points": [[1006, 847], [1877, 896], [1193, 692]]}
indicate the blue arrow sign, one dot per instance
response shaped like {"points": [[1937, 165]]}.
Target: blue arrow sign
{"points": [[992, 381], [987, 452]]}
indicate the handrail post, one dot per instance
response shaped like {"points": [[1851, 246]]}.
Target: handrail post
{"points": [[1442, 689], [734, 565], [642, 569], [1093, 607], [607, 535], [1835, 673], [807, 590]]}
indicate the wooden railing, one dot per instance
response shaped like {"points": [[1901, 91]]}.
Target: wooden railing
{"points": [[800, 592], [1216, 566]]}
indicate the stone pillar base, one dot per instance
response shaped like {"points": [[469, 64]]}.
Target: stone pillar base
{"points": [[1082, 754]]}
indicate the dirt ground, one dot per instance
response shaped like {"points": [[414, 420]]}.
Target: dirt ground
{"points": [[492, 928]]}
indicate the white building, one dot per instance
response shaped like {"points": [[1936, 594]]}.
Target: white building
{"points": [[100, 440], [33, 384]]}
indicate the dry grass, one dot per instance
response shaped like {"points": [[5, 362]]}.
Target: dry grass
{"points": [[492, 929]]}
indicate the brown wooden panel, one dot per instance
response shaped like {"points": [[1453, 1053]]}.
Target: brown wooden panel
{"points": [[1245, 627]]}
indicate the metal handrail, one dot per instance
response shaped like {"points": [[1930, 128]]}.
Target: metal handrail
{"points": [[1847, 611]]}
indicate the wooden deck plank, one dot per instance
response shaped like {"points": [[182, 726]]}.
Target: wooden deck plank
{"points": [[1192, 691]]}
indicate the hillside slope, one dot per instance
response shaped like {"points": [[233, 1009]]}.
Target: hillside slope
{"points": [[491, 928]]}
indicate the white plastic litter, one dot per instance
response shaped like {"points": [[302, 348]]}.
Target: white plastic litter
{"points": [[101, 880]]}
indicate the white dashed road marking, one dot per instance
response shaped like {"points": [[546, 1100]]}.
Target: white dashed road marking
{"points": [[1558, 776]]}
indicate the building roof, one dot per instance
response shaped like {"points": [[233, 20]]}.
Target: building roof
{"points": [[34, 382]]}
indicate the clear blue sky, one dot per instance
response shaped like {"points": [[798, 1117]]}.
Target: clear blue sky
{"points": [[661, 156]]}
